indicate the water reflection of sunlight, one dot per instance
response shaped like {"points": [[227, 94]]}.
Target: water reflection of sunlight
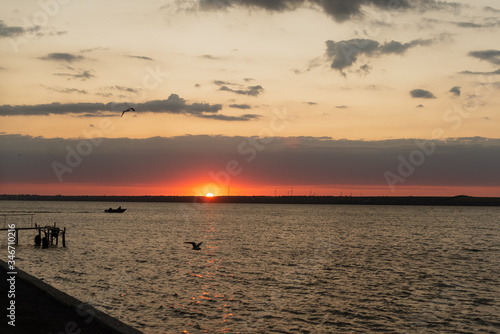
{"points": [[205, 295]]}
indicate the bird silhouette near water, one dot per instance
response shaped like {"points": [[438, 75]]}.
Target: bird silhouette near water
{"points": [[195, 245], [129, 109]]}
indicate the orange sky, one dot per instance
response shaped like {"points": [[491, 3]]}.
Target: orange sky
{"points": [[203, 189]]}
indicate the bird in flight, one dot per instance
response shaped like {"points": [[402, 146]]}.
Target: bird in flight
{"points": [[129, 109], [195, 245]]}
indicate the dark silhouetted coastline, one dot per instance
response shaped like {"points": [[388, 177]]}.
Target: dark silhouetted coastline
{"points": [[461, 200]]}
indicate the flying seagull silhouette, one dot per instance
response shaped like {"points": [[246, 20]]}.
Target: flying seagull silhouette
{"points": [[129, 109], [195, 245]]}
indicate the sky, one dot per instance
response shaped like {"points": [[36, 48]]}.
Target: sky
{"points": [[280, 97]]}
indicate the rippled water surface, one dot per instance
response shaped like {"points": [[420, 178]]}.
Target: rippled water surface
{"points": [[274, 268]]}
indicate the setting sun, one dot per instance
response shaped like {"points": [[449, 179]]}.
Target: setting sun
{"points": [[209, 195]]}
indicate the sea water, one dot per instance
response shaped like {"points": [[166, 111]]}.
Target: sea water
{"points": [[273, 268]]}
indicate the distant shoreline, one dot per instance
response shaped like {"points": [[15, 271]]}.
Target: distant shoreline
{"points": [[461, 200]]}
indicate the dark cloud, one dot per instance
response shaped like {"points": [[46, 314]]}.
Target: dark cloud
{"points": [[142, 57], [339, 10], [239, 89], [126, 89], [271, 5], [6, 31], [421, 93], [57, 33], [254, 90], [99, 48], [344, 54], [61, 56], [473, 25], [341, 107], [344, 10], [26, 32], [221, 83], [364, 69], [310, 103], [455, 90], [210, 57], [104, 94], [420, 106], [54, 108], [491, 56], [250, 90], [488, 23], [240, 106], [283, 161], [177, 105]]}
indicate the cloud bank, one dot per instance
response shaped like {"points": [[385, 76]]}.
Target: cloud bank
{"points": [[172, 105], [279, 161], [339, 10]]}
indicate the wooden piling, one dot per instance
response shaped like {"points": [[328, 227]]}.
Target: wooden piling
{"points": [[56, 231], [64, 237]]}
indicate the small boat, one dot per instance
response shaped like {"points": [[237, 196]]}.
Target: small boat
{"points": [[119, 210]]}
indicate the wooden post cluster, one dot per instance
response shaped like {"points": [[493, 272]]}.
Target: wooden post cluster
{"points": [[50, 233]]}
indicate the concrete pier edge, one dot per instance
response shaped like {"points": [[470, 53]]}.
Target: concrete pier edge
{"points": [[103, 319]]}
